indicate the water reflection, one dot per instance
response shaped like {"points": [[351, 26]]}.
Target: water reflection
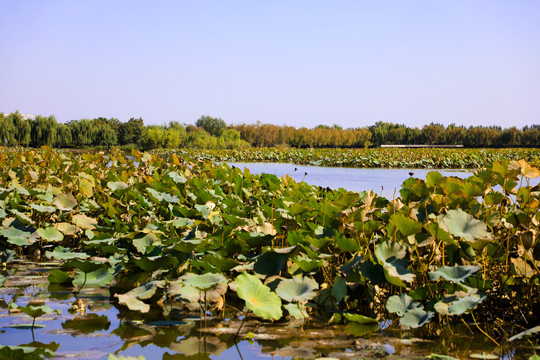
{"points": [[101, 329]]}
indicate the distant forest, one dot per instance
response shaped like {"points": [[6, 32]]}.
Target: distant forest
{"points": [[213, 133]]}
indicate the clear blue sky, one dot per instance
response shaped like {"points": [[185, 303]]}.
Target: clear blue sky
{"points": [[301, 63]]}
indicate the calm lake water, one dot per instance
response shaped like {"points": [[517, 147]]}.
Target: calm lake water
{"points": [[382, 181]]}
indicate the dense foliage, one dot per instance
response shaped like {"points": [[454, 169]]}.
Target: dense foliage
{"points": [[438, 158], [213, 133], [173, 235], [18, 130]]}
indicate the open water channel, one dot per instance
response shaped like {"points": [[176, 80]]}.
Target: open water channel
{"points": [[102, 329]]}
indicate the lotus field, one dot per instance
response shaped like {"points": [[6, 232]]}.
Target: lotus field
{"points": [[178, 237], [418, 158]]}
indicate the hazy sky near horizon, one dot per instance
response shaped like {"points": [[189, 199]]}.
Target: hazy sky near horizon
{"points": [[299, 63]]}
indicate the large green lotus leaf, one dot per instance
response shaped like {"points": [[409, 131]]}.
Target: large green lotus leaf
{"points": [[525, 333], [297, 311], [270, 263], [87, 324], [298, 288], [84, 221], [434, 178], [117, 185], [205, 282], [390, 256], [35, 310], [62, 253], [50, 234], [43, 208], [400, 304], [405, 225], [59, 277], [96, 278], [458, 223], [132, 299], [258, 297], [360, 319], [457, 274], [16, 237], [65, 202], [415, 318]]}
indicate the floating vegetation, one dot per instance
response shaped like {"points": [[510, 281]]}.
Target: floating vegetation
{"points": [[425, 158], [175, 237]]}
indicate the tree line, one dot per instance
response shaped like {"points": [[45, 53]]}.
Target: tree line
{"points": [[211, 132]]}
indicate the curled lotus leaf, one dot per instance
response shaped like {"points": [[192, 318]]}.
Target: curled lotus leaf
{"points": [[50, 234], [458, 303], [65, 202], [391, 256], [400, 304], [258, 297], [298, 288], [527, 170], [457, 274], [133, 298], [458, 223]]}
